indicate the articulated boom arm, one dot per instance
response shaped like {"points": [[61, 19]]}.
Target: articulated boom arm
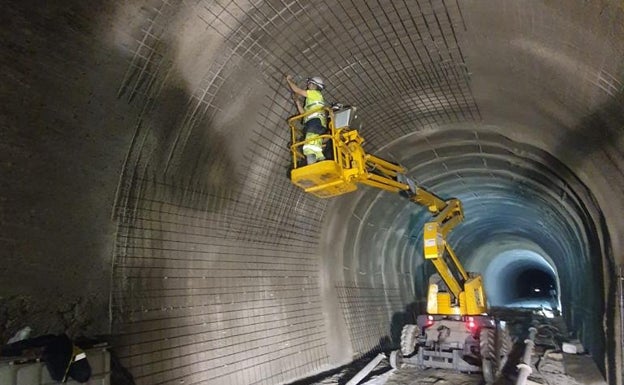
{"points": [[352, 165], [446, 215]]}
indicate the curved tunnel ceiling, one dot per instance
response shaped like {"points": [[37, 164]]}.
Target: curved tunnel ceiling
{"points": [[524, 212], [171, 114], [513, 200]]}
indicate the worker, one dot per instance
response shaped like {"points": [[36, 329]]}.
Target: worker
{"points": [[314, 124]]}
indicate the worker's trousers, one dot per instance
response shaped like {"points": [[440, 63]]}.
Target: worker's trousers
{"points": [[313, 146], [313, 142]]}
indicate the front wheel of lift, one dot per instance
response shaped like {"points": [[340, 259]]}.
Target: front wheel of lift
{"points": [[396, 359]]}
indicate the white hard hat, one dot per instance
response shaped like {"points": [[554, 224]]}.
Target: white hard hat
{"points": [[317, 81]]}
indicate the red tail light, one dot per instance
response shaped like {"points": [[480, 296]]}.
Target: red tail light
{"points": [[429, 321], [471, 324]]}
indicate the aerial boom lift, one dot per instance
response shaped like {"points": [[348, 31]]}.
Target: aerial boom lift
{"points": [[456, 332], [352, 165]]}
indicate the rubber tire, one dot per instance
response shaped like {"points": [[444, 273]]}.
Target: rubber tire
{"points": [[489, 371], [396, 359], [487, 349], [408, 339], [505, 345]]}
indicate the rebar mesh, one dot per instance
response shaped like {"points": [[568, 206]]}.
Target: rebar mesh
{"points": [[190, 294], [220, 282], [370, 314]]}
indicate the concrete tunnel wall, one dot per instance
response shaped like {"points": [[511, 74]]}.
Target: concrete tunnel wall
{"points": [[145, 188]]}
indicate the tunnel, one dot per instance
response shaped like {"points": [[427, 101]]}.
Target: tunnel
{"points": [[146, 195]]}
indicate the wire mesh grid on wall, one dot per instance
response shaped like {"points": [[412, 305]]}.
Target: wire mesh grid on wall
{"points": [[220, 283], [214, 283], [149, 52], [374, 315], [193, 304], [399, 61]]}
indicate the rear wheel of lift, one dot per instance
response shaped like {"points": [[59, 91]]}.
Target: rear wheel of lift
{"points": [[505, 344], [396, 359], [487, 348], [488, 367], [408, 339]]}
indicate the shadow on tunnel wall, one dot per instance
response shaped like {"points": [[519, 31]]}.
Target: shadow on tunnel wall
{"points": [[68, 134], [178, 151], [63, 136], [386, 344], [343, 374], [595, 132], [213, 282], [177, 172], [400, 319]]}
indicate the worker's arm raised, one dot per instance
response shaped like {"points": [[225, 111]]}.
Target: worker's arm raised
{"points": [[298, 103], [294, 87]]}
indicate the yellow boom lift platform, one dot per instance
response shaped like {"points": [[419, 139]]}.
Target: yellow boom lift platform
{"points": [[456, 332]]}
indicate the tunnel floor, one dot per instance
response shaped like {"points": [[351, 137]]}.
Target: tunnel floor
{"points": [[549, 363]]}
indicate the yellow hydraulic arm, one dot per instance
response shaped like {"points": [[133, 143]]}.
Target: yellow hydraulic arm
{"points": [[464, 294]]}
